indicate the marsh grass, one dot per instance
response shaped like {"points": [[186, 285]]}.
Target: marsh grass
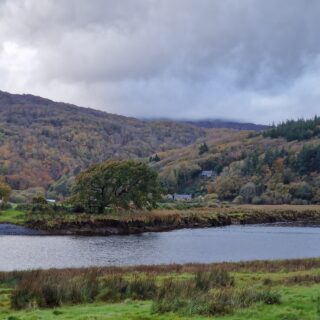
{"points": [[57, 288], [203, 293], [118, 288], [186, 298], [193, 289], [47, 290], [212, 279], [266, 266]]}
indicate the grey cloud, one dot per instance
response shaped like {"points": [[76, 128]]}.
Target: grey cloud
{"points": [[250, 59]]}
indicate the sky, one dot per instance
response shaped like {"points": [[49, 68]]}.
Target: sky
{"points": [[244, 60]]}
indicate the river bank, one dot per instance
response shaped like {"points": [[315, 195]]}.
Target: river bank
{"points": [[125, 223], [166, 220]]}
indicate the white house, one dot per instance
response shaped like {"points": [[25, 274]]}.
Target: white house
{"points": [[182, 197], [51, 200], [206, 173]]}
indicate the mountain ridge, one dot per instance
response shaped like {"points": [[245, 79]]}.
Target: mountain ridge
{"points": [[226, 124]]}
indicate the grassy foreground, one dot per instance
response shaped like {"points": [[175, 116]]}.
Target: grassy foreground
{"points": [[291, 291]]}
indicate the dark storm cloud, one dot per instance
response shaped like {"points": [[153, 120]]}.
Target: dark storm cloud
{"points": [[249, 60]]}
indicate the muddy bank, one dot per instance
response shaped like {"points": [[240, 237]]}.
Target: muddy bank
{"points": [[108, 227]]}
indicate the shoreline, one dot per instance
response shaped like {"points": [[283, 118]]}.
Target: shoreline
{"points": [[254, 265], [167, 220]]}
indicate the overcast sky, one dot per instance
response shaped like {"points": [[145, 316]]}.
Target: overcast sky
{"points": [[250, 60]]}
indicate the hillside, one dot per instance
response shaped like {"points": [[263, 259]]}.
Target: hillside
{"points": [[42, 140], [268, 168], [45, 143]]}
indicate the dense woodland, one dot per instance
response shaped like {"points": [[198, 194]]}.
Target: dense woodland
{"points": [[42, 142], [296, 130], [45, 144], [267, 168]]}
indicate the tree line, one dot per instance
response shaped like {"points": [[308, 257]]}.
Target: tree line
{"points": [[295, 129]]}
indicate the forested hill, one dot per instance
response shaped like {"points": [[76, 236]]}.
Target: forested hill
{"points": [[42, 140], [279, 166]]}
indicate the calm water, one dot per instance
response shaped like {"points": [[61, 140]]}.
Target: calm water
{"points": [[233, 243]]}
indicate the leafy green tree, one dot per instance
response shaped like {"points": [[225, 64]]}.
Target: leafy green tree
{"points": [[302, 190], [119, 184], [5, 191]]}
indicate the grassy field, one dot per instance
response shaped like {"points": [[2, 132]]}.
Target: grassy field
{"points": [[13, 215], [295, 282]]}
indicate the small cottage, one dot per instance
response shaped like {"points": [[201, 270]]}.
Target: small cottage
{"points": [[206, 173], [178, 197]]}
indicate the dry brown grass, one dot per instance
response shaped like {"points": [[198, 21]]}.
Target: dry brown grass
{"points": [[170, 219], [247, 266]]}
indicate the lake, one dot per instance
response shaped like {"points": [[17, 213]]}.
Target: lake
{"points": [[20, 249]]}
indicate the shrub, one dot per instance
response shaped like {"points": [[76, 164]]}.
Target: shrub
{"points": [[141, 288], [5, 206], [213, 279], [190, 297], [301, 191], [175, 296], [185, 298], [247, 296], [22, 298], [39, 199], [257, 200], [267, 282], [53, 290], [117, 288], [221, 303], [227, 187], [248, 191], [238, 200]]}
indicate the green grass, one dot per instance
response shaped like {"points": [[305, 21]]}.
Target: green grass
{"points": [[300, 299], [298, 303], [12, 215], [119, 311]]}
